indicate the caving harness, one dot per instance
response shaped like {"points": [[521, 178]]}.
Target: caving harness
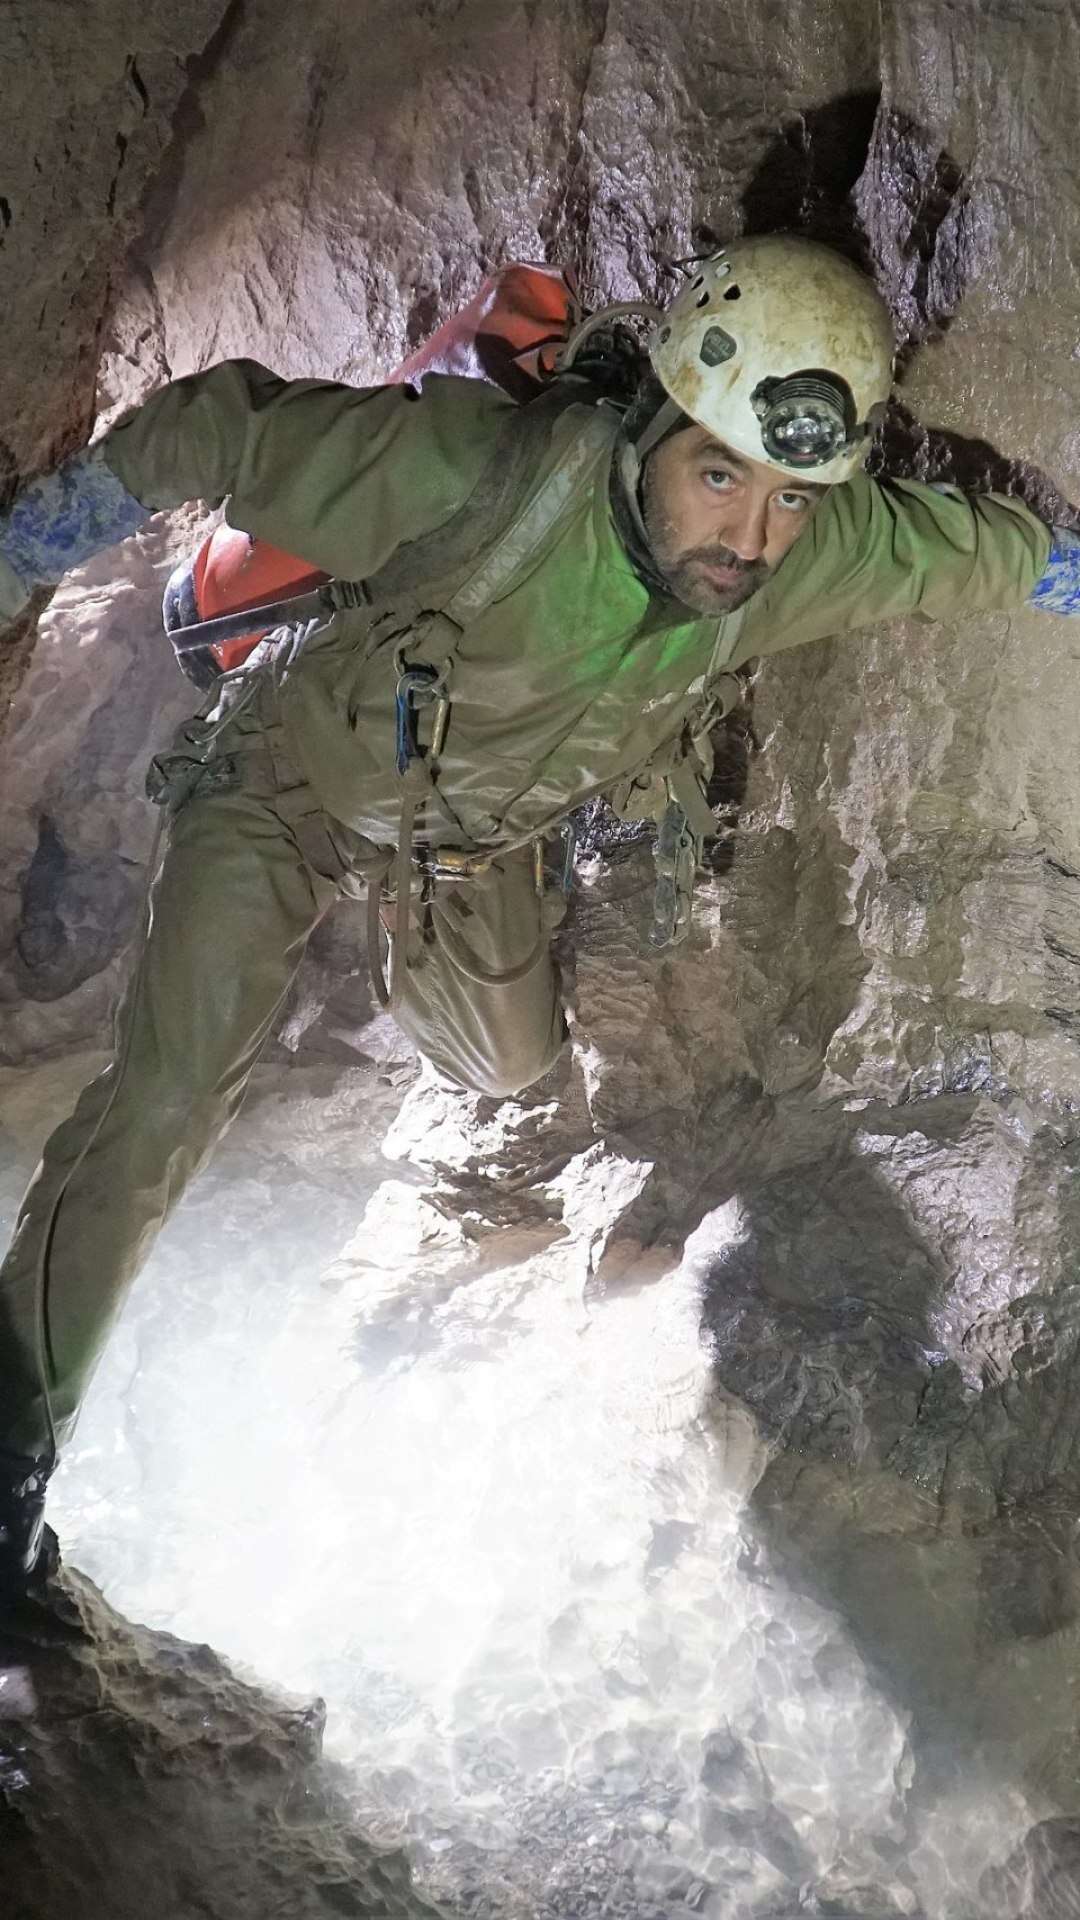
{"points": [[421, 604]]}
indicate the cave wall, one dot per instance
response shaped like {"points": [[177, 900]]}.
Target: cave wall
{"points": [[99, 108], [870, 1044], [135, 1769]]}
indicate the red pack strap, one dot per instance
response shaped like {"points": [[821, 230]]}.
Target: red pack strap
{"points": [[322, 603], [509, 332]]}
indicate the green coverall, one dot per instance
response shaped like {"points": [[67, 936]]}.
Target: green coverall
{"points": [[572, 680]]}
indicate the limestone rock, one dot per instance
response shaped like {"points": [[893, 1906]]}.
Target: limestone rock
{"points": [[134, 1768]]}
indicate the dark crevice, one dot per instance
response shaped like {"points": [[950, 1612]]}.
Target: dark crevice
{"points": [[564, 227], [474, 195], [423, 317], [927, 236], [807, 178], [145, 274], [187, 122], [135, 81], [121, 155], [320, 79], [40, 934]]}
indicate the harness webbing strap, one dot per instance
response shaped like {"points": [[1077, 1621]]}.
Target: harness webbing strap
{"points": [[321, 604], [687, 791], [524, 529], [415, 784], [526, 533]]}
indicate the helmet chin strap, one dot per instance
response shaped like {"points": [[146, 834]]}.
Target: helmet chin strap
{"points": [[658, 428], [628, 465], [633, 453]]}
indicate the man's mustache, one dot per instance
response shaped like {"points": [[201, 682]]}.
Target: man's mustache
{"points": [[723, 557]]}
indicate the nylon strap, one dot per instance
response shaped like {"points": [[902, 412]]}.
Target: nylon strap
{"points": [[501, 487], [320, 604], [687, 791], [526, 534]]}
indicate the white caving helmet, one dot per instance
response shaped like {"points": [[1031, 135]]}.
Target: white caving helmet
{"points": [[781, 348]]}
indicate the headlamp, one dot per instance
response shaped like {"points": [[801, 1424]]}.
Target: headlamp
{"points": [[806, 419]]}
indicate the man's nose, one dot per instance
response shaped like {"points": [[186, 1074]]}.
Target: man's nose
{"points": [[746, 531]]}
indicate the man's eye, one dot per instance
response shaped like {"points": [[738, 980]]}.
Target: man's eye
{"points": [[794, 502], [719, 478]]}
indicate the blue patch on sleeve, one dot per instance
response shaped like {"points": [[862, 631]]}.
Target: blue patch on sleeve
{"points": [[63, 518], [1059, 589]]}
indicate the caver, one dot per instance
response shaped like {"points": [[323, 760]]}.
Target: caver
{"points": [[519, 607]]}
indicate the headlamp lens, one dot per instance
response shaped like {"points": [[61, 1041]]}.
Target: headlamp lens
{"points": [[802, 434], [805, 420]]}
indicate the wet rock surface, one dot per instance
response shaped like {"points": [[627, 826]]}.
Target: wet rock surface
{"points": [[136, 1771], [106, 103], [863, 1066]]}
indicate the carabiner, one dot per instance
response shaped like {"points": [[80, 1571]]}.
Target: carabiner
{"points": [[415, 689]]}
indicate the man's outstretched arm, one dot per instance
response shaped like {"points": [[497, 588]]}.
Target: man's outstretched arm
{"points": [[303, 462], [879, 550]]}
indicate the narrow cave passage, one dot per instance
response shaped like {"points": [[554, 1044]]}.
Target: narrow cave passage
{"points": [[665, 1476]]}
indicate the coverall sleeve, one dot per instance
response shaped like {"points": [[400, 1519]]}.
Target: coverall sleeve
{"points": [[305, 462], [878, 549]]}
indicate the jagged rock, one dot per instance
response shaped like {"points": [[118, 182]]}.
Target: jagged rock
{"points": [[106, 101], [136, 1770]]}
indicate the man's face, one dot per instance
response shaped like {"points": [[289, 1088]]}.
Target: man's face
{"points": [[718, 523]]}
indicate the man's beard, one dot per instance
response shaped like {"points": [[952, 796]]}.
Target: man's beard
{"points": [[682, 568]]}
